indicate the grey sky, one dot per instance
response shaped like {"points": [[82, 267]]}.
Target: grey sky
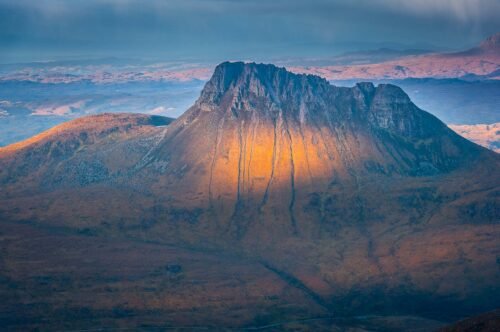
{"points": [[237, 29]]}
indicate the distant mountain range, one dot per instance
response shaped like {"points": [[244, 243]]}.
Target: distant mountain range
{"points": [[482, 62], [353, 57], [277, 198]]}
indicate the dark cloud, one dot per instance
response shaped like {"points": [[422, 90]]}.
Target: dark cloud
{"points": [[221, 29]]}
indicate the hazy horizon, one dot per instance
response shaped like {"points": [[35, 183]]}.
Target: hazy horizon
{"points": [[218, 30]]}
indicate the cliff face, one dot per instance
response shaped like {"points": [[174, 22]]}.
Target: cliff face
{"points": [[354, 196], [261, 140]]}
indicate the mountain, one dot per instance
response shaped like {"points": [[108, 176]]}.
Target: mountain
{"points": [[325, 201], [481, 62]]}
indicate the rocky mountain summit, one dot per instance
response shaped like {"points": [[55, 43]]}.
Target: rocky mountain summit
{"points": [[354, 198]]}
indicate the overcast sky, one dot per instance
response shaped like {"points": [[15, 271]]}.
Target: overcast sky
{"points": [[236, 29]]}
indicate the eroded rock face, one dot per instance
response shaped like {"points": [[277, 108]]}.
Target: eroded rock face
{"points": [[259, 135], [354, 196]]}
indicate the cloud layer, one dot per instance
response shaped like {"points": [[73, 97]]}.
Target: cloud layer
{"points": [[237, 28]]}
